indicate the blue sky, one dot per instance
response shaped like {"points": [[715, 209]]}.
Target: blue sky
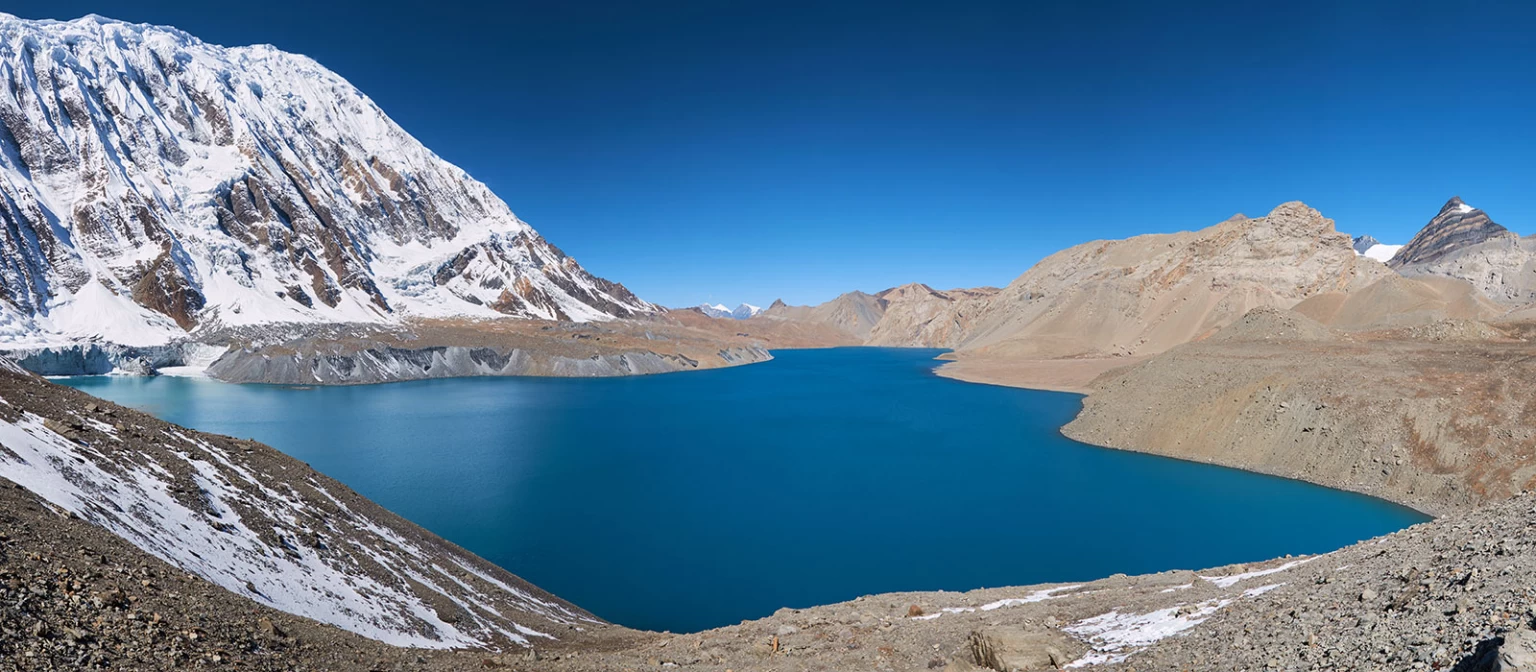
{"points": [[735, 151]]}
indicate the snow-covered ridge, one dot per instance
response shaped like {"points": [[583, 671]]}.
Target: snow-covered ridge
{"points": [[740, 312], [151, 183]]}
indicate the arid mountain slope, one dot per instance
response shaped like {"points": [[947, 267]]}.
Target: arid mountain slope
{"points": [[918, 315], [1395, 301], [1118, 298], [1149, 293], [1437, 415], [854, 313]]}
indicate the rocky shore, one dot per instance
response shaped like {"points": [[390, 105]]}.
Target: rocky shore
{"points": [[1449, 594]]}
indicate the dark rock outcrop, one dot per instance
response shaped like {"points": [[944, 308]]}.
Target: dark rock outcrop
{"points": [[1457, 226]]}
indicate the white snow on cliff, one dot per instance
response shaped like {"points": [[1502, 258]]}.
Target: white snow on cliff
{"points": [[147, 176]]}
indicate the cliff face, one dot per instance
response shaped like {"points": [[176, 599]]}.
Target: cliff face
{"points": [[151, 184]]}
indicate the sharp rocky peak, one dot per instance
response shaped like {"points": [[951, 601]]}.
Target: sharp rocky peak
{"points": [[1456, 226]]}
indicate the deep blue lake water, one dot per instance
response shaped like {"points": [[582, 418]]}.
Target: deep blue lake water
{"points": [[694, 500]]}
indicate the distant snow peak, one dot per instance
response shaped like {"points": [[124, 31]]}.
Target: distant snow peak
{"points": [[719, 310], [716, 310], [1464, 208], [151, 183]]}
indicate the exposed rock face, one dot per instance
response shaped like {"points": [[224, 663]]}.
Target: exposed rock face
{"points": [[1363, 243], [1462, 243], [151, 183], [1021, 650], [1457, 226], [919, 315]]}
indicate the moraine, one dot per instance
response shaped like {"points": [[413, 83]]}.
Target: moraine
{"points": [[688, 502]]}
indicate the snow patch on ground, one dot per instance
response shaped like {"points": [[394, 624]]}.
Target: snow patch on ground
{"points": [[1115, 636], [1037, 596], [1229, 581]]}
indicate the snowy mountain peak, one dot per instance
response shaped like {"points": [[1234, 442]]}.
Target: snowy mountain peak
{"points": [[151, 184], [719, 310], [716, 310]]}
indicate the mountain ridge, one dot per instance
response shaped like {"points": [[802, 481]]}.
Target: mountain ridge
{"points": [[155, 184]]}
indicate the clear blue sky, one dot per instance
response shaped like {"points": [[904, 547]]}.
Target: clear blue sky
{"points": [[742, 151]]}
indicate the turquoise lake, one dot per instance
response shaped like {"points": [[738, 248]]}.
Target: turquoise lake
{"points": [[687, 501]]}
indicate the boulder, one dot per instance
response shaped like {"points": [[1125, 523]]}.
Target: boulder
{"points": [[1020, 650]]}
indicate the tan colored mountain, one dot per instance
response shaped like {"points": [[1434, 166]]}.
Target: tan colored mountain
{"points": [[919, 315], [1118, 298], [1149, 293], [854, 313]]}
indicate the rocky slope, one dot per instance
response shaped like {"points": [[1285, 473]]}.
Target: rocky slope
{"points": [[919, 315], [1395, 301], [854, 314], [262, 525], [154, 184], [1433, 415]]}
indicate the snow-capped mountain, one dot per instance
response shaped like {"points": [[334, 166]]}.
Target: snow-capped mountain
{"points": [[151, 184], [716, 310], [719, 310]]}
